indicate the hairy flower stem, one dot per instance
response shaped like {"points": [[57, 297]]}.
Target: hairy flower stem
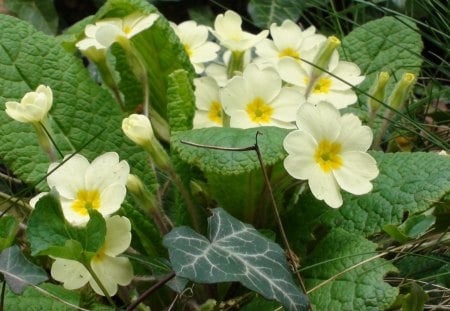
{"points": [[45, 140], [149, 291], [87, 265], [187, 199]]}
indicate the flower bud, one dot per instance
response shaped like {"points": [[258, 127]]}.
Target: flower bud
{"points": [[137, 127], [377, 91], [401, 90], [140, 192], [33, 107], [323, 57]]}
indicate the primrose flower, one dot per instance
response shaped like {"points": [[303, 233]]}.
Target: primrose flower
{"points": [[100, 185], [327, 88], [195, 40], [109, 30], [33, 107], [207, 100], [228, 30], [138, 128], [109, 268], [330, 151], [257, 98], [288, 40]]}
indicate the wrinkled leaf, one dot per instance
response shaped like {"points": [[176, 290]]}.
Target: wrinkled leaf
{"points": [[181, 101], [361, 287], [230, 162], [82, 113], [50, 234], [391, 44], [266, 12], [409, 183], [234, 252], [40, 13], [48, 297], [18, 271]]}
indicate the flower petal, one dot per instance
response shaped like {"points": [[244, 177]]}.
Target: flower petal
{"points": [[72, 273], [118, 235], [111, 198], [106, 170], [354, 136], [111, 271], [68, 178], [322, 121], [265, 84], [325, 187], [358, 169]]}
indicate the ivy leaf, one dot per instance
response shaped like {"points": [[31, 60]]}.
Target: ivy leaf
{"points": [[391, 44], [234, 252], [18, 271], [40, 13], [230, 162], [266, 12], [82, 111], [8, 229], [361, 287], [50, 234]]}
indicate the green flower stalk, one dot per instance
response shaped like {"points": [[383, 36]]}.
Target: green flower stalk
{"points": [[148, 202], [377, 92], [396, 101], [236, 63], [401, 91], [322, 60], [139, 129]]}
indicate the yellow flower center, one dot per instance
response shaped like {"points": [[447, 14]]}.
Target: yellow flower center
{"points": [[215, 112], [259, 111], [289, 52], [321, 86], [327, 156], [86, 199], [188, 50], [127, 29], [100, 253]]}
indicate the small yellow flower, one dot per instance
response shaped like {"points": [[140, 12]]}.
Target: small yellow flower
{"points": [[109, 268], [33, 107], [330, 151], [100, 185]]}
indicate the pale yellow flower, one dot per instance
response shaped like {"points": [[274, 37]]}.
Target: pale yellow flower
{"points": [[330, 151], [109, 268], [33, 107]]}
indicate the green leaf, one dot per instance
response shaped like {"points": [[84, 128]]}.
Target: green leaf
{"points": [[8, 229], [40, 13], [413, 228], [266, 12], [181, 101], [359, 284], [391, 44], [47, 297], [50, 234], [160, 49], [230, 162], [415, 299], [146, 237], [82, 112], [409, 183], [18, 271], [234, 252]]}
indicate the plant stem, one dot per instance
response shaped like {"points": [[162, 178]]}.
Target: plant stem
{"points": [[99, 283], [149, 291], [187, 198], [2, 296], [291, 254]]}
